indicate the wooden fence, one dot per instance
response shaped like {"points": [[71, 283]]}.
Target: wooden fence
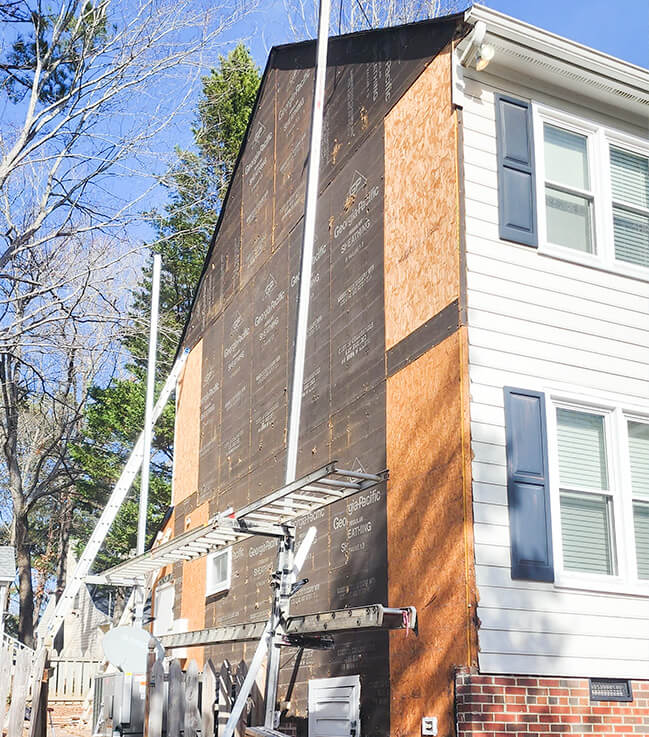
{"points": [[23, 680], [71, 678], [191, 704]]}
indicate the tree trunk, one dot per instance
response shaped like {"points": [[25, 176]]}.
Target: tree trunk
{"points": [[25, 592], [65, 528]]}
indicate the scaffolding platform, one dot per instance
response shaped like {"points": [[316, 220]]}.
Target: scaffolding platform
{"points": [[270, 516]]}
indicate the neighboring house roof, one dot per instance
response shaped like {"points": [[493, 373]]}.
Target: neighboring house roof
{"points": [[7, 563]]}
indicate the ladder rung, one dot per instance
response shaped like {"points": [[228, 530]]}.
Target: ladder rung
{"points": [[262, 516], [339, 484], [289, 504], [359, 475], [322, 497], [330, 491]]}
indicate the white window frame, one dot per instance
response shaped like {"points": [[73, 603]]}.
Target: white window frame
{"points": [[625, 580], [599, 140], [212, 587], [159, 590]]}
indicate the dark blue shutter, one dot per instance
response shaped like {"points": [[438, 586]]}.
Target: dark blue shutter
{"points": [[528, 491], [516, 188]]}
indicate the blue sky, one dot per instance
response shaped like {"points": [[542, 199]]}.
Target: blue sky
{"points": [[617, 27]]}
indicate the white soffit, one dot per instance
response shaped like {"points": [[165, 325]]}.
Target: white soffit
{"points": [[523, 50]]}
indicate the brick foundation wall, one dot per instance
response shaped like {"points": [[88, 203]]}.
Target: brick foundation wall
{"points": [[506, 706]]}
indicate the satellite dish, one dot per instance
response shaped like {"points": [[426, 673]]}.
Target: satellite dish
{"points": [[126, 648]]}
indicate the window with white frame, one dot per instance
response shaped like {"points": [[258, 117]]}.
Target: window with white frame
{"points": [[593, 184], [163, 609], [602, 493], [219, 571]]}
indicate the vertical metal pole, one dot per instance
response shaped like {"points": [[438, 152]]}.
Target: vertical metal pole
{"points": [[148, 408], [265, 642], [281, 599], [310, 207]]}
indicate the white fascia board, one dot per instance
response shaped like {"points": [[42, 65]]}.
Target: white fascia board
{"points": [[557, 59]]}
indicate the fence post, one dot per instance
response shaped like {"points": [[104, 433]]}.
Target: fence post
{"points": [[192, 714], [5, 681], [225, 696], [208, 699], [176, 701], [19, 691], [150, 661], [38, 721], [156, 688]]}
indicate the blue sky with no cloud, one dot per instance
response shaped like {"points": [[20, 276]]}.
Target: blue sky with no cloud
{"points": [[617, 27]]}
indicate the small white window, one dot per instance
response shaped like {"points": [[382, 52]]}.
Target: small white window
{"points": [[600, 496], [163, 609], [219, 571], [639, 458], [568, 195], [593, 193], [586, 504], [630, 190]]}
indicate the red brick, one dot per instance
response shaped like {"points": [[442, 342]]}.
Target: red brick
{"points": [[525, 706]]}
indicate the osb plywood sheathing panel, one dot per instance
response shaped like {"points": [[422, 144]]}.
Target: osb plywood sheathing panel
{"points": [[188, 426], [429, 535], [421, 263], [192, 604]]}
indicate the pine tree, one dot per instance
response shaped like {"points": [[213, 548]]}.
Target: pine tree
{"points": [[115, 416]]}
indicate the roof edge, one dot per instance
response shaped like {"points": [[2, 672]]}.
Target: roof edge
{"points": [[551, 44]]}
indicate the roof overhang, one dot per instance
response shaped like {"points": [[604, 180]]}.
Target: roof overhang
{"points": [[533, 56]]}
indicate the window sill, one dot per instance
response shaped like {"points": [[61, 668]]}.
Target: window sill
{"points": [[217, 590], [639, 273], [601, 585]]}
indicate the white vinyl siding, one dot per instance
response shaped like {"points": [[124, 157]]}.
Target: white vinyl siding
{"points": [[540, 322]]}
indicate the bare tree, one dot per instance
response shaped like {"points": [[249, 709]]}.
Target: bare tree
{"points": [[348, 16], [89, 92]]}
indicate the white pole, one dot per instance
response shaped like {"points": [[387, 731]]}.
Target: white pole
{"points": [[148, 407], [264, 643], [310, 208]]}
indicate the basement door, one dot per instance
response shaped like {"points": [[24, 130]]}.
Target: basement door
{"points": [[334, 707]]}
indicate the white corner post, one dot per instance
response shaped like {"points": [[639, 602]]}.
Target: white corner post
{"points": [[285, 554], [148, 407]]}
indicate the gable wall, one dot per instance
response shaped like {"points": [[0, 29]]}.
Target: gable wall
{"points": [[243, 325]]}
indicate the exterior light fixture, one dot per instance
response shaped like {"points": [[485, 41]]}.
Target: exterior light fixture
{"points": [[478, 54], [485, 54]]}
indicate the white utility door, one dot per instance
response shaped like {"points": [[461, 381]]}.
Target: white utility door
{"points": [[334, 707]]}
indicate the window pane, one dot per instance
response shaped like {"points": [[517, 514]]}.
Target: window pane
{"points": [[569, 220], [641, 524], [631, 232], [639, 452], [566, 157], [630, 177], [586, 533], [220, 564], [582, 449]]}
